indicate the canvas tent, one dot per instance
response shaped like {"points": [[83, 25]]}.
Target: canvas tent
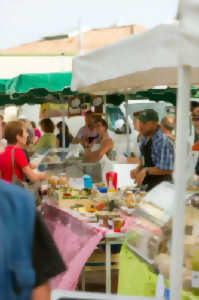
{"points": [[165, 55]]}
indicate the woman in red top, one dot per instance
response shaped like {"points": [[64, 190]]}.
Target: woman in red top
{"points": [[16, 136]]}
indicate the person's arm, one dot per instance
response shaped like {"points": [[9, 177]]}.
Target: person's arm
{"points": [[139, 178], [156, 171], [41, 292], [78, 139], [33, 166], [135, 171], [32, 176], [35, 140], [98, 154], [133, 160]]}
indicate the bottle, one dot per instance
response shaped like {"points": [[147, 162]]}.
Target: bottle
{"points": [[111, 188], [195, 273], [87, 182]]}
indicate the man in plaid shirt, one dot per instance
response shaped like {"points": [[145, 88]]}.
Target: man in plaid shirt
{"points": [[157, 152]]}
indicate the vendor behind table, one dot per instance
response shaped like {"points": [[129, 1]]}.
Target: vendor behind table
{"points": [[156, 152], [104, 142], [88, 133]]}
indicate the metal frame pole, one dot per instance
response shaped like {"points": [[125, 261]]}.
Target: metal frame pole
{"points": [[180, 181], [127, 126]]}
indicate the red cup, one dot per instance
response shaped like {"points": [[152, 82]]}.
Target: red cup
{"points": [[112, 176]]}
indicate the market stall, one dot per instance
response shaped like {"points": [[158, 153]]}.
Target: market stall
{"points": [[173, 60]]}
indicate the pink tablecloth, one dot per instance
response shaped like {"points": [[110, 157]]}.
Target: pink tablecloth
{"points": [[75, 240]]}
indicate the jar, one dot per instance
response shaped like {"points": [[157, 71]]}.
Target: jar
{"points": [[52, 182], [118, 223], [62, 181], [130, 201]]}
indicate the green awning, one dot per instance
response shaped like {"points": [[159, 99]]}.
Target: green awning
{"points": [[55, 87], [40, 82]]}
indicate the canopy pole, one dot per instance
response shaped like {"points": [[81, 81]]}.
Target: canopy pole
{"points": [[183, 108], [104, 110], [63, 130], [127, 125]]}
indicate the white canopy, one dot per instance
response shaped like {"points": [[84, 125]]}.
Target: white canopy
{"points": [[166, 55], [138, 62]]}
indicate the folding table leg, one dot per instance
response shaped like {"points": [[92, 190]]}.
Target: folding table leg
{"points": [[108, 267]]}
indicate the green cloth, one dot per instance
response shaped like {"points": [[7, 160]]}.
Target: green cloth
{"points": [[51, 82], [48, 140], [135, 277]]}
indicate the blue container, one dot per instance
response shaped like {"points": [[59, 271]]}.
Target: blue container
{"points": [[167, 294], [87, 182], [41, 167], [102, 189]]}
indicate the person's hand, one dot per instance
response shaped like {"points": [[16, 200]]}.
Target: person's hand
{"points": [[133, 173], [42, 176], [140, 176]]}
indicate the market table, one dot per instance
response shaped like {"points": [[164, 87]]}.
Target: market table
{"points": [[59, 294], [76, 240]]}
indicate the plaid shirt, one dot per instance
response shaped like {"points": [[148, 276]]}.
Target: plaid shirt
{"points": [[162, 150]]}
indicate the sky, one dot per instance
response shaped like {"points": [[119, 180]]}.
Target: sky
{"points": [[23, 21]]}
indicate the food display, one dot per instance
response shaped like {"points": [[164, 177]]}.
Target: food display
{"points": [[150, 238], [149, 224], [60, 160], [97, 203]]}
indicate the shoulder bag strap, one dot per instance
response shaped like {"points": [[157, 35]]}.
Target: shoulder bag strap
{"points": [[13, 160]]}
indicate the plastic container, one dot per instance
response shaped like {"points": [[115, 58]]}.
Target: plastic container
{"points": [[41, 167], [88, 184], [167, 294], [102, 190]]}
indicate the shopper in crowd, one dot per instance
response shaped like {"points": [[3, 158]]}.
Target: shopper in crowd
{"points": [[1, 125], [88, 133], [37, 133], [3, 142], [29, 129], [48, 140], [34, 249], [68, 136], [168, 126], [105, 143], [156, 152], [16, 136]]}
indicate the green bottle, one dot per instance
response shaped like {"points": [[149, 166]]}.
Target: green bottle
{"points": [[195, 273]]}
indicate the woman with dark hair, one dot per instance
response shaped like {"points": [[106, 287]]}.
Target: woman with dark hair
{"points": [[48, 140], [104, 143], [68, 136]]}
